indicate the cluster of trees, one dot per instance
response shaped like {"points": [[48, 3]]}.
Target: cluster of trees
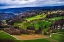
{"points": [[57, 23], [18, 31], [49, 31], [39, 31], [2, 24], [54, 15], [12, 30]]}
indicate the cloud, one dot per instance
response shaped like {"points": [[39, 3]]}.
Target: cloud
{"points": [[29, 3], [13, 2]]}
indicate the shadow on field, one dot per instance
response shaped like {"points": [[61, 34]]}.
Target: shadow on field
{"points": [[6, 40]]}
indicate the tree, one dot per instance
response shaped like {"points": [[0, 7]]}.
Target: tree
{"points": [[39, 31], [31, 28], [40, 23]]}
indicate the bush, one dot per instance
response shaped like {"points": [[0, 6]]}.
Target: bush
{"points": [[31, 28]]}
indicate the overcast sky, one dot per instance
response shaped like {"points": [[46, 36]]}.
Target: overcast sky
{"points": [[29, 3]]}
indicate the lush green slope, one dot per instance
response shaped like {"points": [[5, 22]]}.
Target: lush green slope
{"points": [[36, 17], [58, 37], [37, 40], [4, 35]]}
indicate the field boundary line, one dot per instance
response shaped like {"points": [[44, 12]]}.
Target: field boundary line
{"points": [[11, 35]]}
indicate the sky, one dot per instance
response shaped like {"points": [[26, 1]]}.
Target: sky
{"points": [[4, 4]]}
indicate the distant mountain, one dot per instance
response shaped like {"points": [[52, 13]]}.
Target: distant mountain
{"points": [[5, 16], [21, 10]]}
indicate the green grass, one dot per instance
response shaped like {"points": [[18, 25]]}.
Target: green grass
{"points": [[36, 17], [3, 35], [18, 40], [56, 18], [37, 40], [58, 37], [43, 23], [60, 32]]}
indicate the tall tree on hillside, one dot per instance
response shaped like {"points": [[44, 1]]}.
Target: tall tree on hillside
{"points": [[40, 23]]}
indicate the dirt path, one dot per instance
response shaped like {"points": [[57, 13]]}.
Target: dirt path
{"points": [[30, 37]]}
